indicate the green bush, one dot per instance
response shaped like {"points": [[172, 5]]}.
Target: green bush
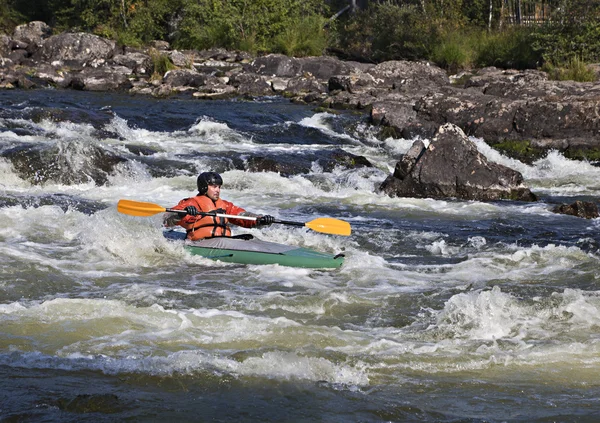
{"points": [[387, 31], [454, 52], [574, 70], [247, 25], [511, 48], [305, 37], [161, 64]]}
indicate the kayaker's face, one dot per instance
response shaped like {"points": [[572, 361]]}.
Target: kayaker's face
{"points": [[213, 192]]}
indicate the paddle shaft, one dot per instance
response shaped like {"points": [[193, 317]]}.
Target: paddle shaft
{"points": [[234, 216], [230, 216]]}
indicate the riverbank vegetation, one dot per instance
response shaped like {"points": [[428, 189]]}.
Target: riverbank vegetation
{"points": [[560, 36]]}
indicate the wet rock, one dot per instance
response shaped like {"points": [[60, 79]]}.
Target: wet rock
{"points": [[96, 403], [585, 209], [297, 164], [452, 167], [68, 163]]}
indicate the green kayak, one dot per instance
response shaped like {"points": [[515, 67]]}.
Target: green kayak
{"points": [[254, 251]]}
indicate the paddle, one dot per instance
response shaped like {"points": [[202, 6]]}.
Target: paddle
{"points": [[327, 225]]}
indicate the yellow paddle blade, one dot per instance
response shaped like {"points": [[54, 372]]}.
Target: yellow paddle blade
{"points": [[139, 208], [329, 225]]}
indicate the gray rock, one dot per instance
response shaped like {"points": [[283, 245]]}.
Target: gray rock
{"points": [[139, 63], [275, 65], [452, 167], [32, 34], [80, 48], [184, 78], [584, 209], [103, 79]]}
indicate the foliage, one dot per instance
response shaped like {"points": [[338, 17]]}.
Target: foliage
{"points": [[454, 51], [9, 16], [387, 31], [511, 48], [161, 64], [242, 24], [306, 37], [574, 70]]}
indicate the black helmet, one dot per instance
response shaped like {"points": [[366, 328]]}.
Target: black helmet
{"points": [[208, 178]]}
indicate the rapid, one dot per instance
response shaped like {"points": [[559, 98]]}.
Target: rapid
{"points": [[444, 310]]}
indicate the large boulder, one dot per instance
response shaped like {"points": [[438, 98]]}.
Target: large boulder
{"points": [[32, 34], [452, 167], [78, 49]]}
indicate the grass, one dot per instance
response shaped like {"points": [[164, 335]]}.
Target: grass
{"points": [[161, 64], [574, 70]]}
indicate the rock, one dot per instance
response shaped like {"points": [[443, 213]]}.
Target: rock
{"points": [[103, 79], [251, 85], [275, 65], [91, 403], [400, 119], [585, 209], [452, 167], [184, 78], [407, 76], [303, 85], [38, 164], [5, 45], [46, 75], [139, 63], [303, 163], [160, 45], [80, 49], [32, 34], [179, 59], [408, 161], [324, 67]]}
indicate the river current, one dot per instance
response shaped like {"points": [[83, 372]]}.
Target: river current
{"points": [[444, 311]]}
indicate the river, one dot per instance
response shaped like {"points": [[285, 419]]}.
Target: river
{"points": [[444, 311]]}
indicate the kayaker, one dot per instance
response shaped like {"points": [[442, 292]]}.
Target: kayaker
{"points": [[209, 199]]}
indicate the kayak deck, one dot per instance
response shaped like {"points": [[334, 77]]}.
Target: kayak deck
{"points": [[256, 251]]}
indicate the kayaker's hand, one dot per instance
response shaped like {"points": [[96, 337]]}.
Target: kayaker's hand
{"points": [[191, 210], [265, 220]]}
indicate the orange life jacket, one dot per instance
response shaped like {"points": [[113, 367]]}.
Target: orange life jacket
{"points": [[207, 226]]}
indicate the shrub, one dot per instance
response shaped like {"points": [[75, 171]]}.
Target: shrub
{"points": [[574, 70], [511, 48], [161, 64], [454, 51], [304, 37]]}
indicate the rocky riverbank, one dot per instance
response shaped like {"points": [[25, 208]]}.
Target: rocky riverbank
{"points": [[521, 113]]}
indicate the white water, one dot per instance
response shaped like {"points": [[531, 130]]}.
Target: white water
{"points": [[431, 290]]}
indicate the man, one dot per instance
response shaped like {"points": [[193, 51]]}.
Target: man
{"points": [[200, 226]]}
